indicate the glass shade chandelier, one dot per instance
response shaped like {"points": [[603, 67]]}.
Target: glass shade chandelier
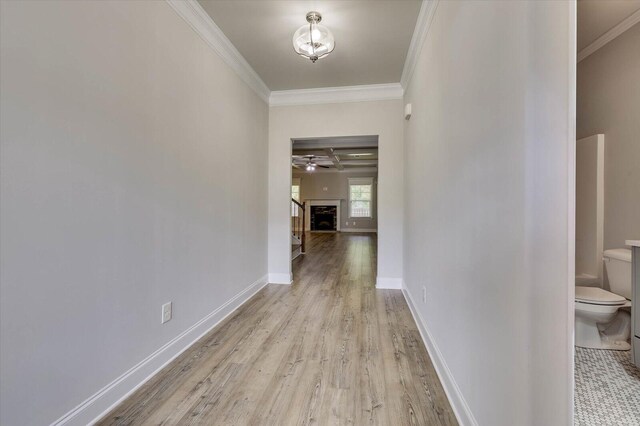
{"points": [[313, 41]]}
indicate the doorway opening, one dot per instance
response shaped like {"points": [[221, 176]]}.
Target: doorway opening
{"points": [[607, 249], [333, 190]]}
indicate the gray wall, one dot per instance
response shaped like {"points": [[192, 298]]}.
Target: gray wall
{"points": [[489, 206], [608, 101], [337, 184], [343, 119], [118, 123]]}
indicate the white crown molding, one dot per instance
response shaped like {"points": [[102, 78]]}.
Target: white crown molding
{"points": [[203, 25], [614, 32], [330, 95], [200, 21], [425, 17]]}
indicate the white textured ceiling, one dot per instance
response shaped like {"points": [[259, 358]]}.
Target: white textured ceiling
{"points": [[596, 17], [372, 39]]}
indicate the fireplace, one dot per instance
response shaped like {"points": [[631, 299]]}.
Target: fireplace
{"points": [[324, 218]]}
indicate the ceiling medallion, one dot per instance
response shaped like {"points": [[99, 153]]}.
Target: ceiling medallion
{"points": [[313, 41]]}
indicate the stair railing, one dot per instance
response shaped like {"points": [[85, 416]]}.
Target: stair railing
{"points": [[298, 219]]}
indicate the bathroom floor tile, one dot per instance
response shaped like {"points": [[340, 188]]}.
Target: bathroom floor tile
{"points": [[607, 388]]}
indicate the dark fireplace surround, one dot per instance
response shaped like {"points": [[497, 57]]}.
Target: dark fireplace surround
{"points": [[324, 218]]}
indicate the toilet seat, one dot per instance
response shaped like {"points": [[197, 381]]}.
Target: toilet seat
{"points": [[598, 296]]}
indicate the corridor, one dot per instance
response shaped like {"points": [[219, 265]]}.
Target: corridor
{"points": [[330, 349]]}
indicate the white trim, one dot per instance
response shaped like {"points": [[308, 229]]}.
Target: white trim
{"points": [[571, 206], [368, 230], [103, 401], [614, 32], [360, 181], [425, 18], [277, 278], [389, 283], [456, 399], [330, 95], [203, 25]]}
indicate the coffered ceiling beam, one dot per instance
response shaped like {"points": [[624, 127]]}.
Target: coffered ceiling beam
{"points": [[359, 162], [332, 142], [358, 151], [316, 152], [334, 158]]}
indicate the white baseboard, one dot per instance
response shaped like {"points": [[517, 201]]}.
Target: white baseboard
{"points": [[99, 404], [358, 230], [458, 404], [277, 278], [389, 283]]}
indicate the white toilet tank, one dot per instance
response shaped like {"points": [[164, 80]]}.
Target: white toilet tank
{"points": [[617, 265]]}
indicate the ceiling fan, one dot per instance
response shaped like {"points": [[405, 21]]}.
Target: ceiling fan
{"points": [[309, 162]]}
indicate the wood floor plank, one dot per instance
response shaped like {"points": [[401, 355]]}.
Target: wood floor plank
{"points": [[330, 349]]}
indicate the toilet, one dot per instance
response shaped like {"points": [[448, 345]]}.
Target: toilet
{"points": [[603, 320]]}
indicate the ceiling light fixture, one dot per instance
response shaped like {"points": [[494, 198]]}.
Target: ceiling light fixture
{"points": [[311, 166], [313, 41]]}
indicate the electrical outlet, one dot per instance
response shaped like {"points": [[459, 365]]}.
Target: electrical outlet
{"points": [[166, 312], [354, 223], [424, 294]]}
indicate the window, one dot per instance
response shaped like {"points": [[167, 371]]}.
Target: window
{"points": [[295, 194], [360, 197]]}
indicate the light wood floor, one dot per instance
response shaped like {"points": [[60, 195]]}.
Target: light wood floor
{"points": [[328, 350]]}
